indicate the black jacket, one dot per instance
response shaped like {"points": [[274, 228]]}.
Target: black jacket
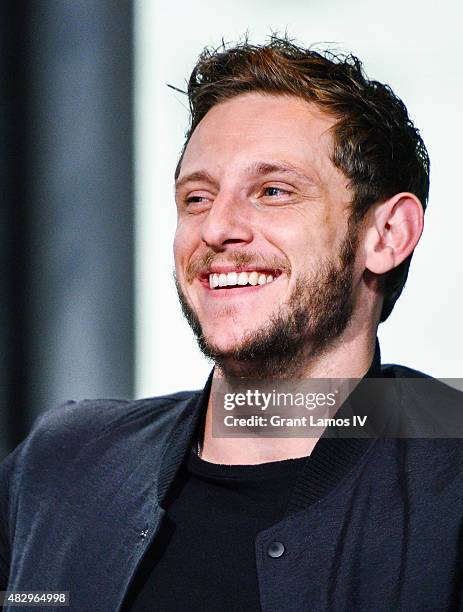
{"points": [[374, 524]]}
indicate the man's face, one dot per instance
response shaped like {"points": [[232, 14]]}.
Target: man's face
{"points": [[263, 213]]}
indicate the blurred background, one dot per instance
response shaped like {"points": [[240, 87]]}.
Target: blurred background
{"points": [[91, 135]]}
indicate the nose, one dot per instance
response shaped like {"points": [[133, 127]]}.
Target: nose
{"points": [[227, 223]]}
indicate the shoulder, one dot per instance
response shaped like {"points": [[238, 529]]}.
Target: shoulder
{"points": [[91, 415], [421, 383], [77, 423], [88, 431], [426, 431], [430, 406], [394, 370]]}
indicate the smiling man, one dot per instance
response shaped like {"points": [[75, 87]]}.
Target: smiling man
{"points": [[300, 192], [263, 210]]}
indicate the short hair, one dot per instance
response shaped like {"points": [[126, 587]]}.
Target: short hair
{"points": [[375, 143]]}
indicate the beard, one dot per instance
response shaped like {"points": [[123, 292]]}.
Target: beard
{"points": [[314, 316]]}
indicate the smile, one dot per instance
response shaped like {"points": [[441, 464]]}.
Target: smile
{"points": [[239, 279]]}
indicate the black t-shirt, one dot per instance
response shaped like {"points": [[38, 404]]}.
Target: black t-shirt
{"points": [[203, 558]]}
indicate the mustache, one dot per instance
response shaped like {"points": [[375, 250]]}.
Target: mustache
{"points": [[236, 258]]}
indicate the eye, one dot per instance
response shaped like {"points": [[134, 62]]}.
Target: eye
{"points": [[274, 194], [197, 203], [275, 191], [195, 199]]}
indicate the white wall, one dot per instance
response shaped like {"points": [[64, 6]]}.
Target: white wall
{"points": [[415, 47]]}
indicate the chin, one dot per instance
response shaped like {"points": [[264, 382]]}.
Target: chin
{"points": [[224, 343]]}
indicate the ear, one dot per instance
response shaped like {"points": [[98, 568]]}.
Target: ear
{"points": [[394, 227]]}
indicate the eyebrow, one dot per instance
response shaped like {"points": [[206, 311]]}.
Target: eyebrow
{"points": [[200, 175], [259, 168]]}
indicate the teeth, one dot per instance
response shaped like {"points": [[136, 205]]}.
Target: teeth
{"points": [[239, 278], [243, 278], [253, 278]]}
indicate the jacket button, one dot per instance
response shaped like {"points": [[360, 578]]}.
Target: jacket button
{"points": [[275, 549]]}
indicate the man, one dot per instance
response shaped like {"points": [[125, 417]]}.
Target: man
{"points": [[300, 194]]}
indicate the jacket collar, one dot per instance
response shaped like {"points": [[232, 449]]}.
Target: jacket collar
{"points": [[182, 438], [331, 459]]}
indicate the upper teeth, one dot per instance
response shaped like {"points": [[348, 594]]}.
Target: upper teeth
{"points": [[238, 278]]}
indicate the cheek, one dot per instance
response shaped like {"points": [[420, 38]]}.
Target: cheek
{"points": [[307, 230], [184, 240], [332, 231]]}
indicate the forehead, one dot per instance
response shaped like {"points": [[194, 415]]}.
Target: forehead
{"points": [[256, 126]]}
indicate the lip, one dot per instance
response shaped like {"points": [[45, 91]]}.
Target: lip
{"points": [[203, 276], [231, 292]]}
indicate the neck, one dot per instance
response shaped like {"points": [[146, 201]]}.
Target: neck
{"points": [[350, 357]]}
